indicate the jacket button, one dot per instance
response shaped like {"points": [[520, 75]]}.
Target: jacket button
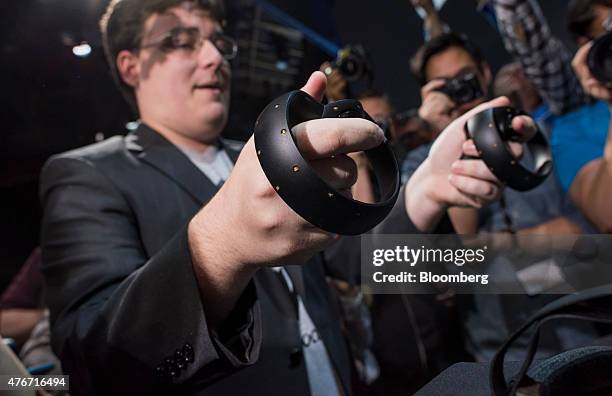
{"points": [[295, 357]]}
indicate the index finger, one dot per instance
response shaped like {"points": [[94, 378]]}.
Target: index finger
{"points": [[431, 86], [525, 127], [497, 102], [326, 137]]}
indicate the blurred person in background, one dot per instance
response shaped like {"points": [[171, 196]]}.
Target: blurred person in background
{"points": [[543, 210], [579, 129]]}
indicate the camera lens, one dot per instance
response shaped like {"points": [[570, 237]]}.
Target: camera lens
{"points": [[351, 68], [599, 59], [464, 93]]}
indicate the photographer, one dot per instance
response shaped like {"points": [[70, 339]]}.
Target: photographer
{"points": [[453, 58], [539, 211]]}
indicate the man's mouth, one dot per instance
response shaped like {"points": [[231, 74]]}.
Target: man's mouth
{"points": [[214, 85]]}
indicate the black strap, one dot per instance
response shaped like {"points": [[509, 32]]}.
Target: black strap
{"points": [[568, 307]]}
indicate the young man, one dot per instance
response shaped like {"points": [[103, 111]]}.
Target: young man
{"points": [[158, 248]]}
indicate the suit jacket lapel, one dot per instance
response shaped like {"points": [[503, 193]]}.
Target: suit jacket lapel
{"points": [[153, 149], [295, 272]]}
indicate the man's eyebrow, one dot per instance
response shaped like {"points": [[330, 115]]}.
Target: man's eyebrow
{"points": [[465, 69]]}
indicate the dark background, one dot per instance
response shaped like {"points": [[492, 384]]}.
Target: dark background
{"points": [[53, 101]]}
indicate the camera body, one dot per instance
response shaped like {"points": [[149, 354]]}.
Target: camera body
{"points": [[354, 63], [462, 89], [599, 59]]}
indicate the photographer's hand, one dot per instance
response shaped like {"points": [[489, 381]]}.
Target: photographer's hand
{"points": [[590, 85], [426, 5], [433, 24], [436, 107], [336, 84]]}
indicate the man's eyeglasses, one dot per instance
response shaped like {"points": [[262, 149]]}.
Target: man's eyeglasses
{"points": [[190, 40]]}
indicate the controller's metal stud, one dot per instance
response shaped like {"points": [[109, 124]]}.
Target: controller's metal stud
{"points": [[283, 131], [295, 168], [330, 195]]}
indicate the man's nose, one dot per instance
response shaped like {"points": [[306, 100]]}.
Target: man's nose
{"points": [[208, 55]]}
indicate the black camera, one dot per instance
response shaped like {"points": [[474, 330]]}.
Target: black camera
{"points": [[599, 59], [354, 63], [462, 89]]}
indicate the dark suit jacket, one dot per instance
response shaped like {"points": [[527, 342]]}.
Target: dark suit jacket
{"points": [[125, 308]]}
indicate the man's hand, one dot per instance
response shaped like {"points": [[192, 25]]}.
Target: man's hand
{"points": [[246, 225], [590, 85], [436, 108], [426, 5], [445, 180], [336, 84]]}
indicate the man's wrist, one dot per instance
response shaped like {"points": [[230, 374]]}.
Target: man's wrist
{"points": [[220, 272], [423, 205], [427, 122]]}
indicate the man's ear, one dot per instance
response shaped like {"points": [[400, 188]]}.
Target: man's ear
{"points": [[128, 68]]}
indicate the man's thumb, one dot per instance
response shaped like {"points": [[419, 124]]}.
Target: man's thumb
{"points": [[315, 86]]}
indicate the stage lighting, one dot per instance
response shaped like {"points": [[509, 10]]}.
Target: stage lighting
{"points": [[82, 51]]}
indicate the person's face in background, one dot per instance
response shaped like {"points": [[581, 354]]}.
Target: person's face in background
{"points": [[453, 62], [597, 27], [184, 89], [377, 107]]}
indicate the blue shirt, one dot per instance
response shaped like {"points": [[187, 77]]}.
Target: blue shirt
{"points": [[578, 138]]}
